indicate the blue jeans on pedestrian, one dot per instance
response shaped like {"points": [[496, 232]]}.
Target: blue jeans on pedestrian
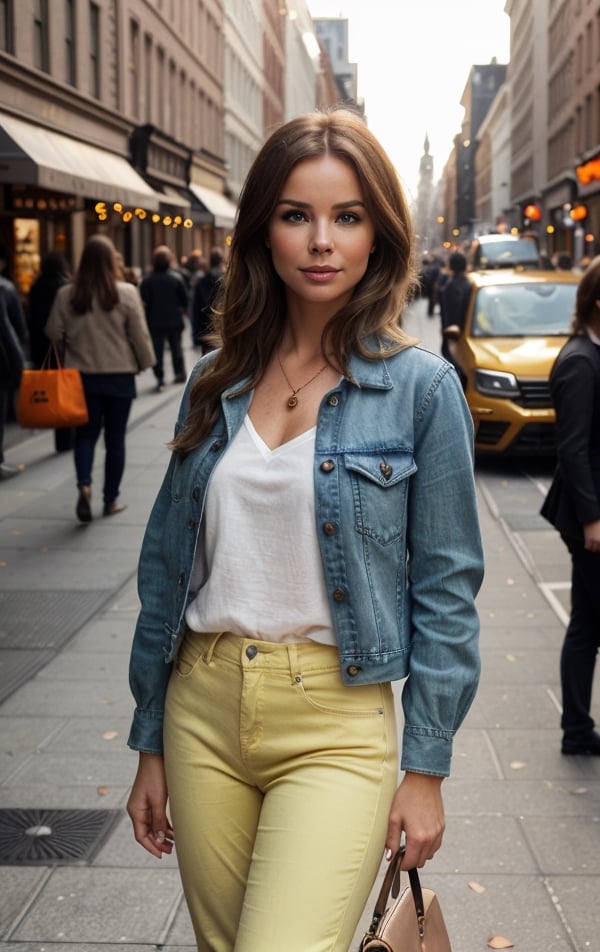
{"points": [[111, 413]]}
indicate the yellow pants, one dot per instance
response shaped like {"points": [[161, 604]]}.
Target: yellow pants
{"points": [[280, 782]]}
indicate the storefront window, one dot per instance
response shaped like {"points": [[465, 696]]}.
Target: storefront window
{"points": [[27, 252]]}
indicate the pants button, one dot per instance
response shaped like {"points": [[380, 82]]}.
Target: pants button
{"points": [[251, 651]]}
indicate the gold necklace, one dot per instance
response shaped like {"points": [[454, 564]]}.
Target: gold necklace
{"points": [[293, 400]]}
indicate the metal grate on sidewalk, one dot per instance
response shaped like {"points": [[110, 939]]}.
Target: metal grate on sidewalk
{"points": [[53, 837]]}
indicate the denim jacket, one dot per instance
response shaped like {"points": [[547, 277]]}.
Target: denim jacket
{"points": [[397, 525]]}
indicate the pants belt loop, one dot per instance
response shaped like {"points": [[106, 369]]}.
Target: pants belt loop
{"points": [[211, 648], [294, 661]]}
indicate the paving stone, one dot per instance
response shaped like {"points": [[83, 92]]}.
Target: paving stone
{"points": [[181, 932], [508, 705], [55, 796], [79, 905], [576, 898], [559, 798], [473, 757], [79, 769], [485, 845], [18, 887], [103, 735], [42, 696], [529, 754], [565, 845]]}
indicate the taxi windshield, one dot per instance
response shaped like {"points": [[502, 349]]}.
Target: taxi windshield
{"points": [[541, 309]]}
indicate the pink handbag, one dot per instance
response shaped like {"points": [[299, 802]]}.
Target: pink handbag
{"points": [[407, 917]]}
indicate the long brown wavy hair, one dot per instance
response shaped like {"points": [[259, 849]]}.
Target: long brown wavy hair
{"points": [[588, 295], [251, 307], [96, 277]]}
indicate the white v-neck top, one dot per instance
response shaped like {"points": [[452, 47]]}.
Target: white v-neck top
{"points": [[258, 568]]}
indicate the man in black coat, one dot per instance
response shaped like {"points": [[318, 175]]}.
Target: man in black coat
{"points": [[165, 299], [16, 320], [454, 301], [204, 296]]}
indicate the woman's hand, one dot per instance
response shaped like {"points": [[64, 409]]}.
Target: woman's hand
{"points": [[591, 536], [418, 812], [147, 806]]}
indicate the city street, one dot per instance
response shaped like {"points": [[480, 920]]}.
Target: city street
{"points": [[521, 857]]}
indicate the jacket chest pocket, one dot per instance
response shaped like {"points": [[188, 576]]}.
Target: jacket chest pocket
{"points": [[380, 483]]}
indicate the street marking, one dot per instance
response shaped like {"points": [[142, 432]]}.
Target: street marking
{"points": [[548, 589]]}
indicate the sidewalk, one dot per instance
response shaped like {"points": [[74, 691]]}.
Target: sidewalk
{"points": [[522, 821]]}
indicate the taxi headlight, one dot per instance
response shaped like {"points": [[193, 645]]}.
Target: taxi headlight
{"points": [[496, 384]]}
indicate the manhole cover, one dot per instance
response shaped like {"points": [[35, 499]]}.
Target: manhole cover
{"points": [[52, 837]]}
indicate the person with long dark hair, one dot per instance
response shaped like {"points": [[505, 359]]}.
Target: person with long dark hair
{"points": [[315, 538], [54, 273], [573, 507], [100, 325]]}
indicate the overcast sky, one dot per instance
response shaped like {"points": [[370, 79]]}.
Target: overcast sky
{"points": [[414, 58]]}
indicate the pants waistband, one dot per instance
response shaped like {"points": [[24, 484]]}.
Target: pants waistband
{"points": [[252, 652]]}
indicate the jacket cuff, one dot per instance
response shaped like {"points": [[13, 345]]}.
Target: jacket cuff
{"points": [[427, 751], [146, 734]]}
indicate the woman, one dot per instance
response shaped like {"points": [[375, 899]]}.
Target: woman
{"points": [[315, 538], [53, 275], [100, 322], [573, 507]]}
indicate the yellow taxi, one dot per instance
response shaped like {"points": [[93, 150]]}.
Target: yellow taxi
{"points": [[515, 325]]}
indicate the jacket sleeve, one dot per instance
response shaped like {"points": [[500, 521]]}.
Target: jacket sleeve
{"points": [[137, 331], [444, 578], [56, 324], [574, 386]]}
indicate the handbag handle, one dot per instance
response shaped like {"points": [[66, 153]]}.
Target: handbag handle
{"points": [[391, 884], [52, 351]]}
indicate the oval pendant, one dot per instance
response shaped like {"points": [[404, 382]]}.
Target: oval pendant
{"points": [[293, 401]]}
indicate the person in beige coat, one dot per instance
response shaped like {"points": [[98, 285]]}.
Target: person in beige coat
{"points": [[99, 323]]}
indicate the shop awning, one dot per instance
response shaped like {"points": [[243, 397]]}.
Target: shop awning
{"points": [[33, 155], [222, 209]]}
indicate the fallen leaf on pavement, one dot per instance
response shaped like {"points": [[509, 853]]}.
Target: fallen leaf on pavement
{"points": [[102, 791], [499, 942], [476, 887], [518, 764], [110, 735]]}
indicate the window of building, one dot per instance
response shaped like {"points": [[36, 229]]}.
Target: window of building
{"points": [[588, 47], [172, 98], [70, 42], [40, 35], [6, 26], [589, 123], [134, 67], [95, 50], [160, 58], [148, 52]]}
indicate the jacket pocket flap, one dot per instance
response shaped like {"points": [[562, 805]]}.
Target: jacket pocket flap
{"points": [[385, 469]]}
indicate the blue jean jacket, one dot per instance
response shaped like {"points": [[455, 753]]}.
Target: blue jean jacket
{"points": [[397, 525]]}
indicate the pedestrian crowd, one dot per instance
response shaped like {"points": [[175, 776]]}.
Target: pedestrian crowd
{"points": [[99, 319]]}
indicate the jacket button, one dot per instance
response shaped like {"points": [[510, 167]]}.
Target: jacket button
{"points": [[191, 524], [327, 466], [352, 670], [333, 400], [329, 528], [339, 595], [216, 446], [386, 470], [181, 579], [196, 494]]}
